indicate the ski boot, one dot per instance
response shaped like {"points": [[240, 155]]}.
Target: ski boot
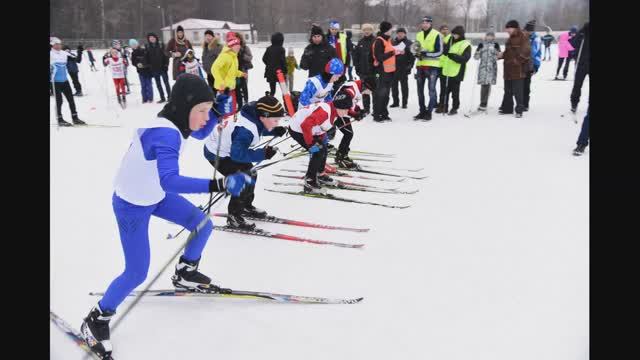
{"points": [[344, 162], [124, 101], [254, 212], [235, 221], [61, 122], [311, 186], [77, 121], [188, 277], [95, 331], [579, 150], [325, 179]]}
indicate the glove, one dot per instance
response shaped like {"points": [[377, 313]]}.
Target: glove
{"points": [[314, 149], [480, 46], [278, 131], [423, 53], [235, 183], [331, 133], [224, 104], [269, 152], [338, 123]]}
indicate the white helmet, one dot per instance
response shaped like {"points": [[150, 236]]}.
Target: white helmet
{"points": [[54, 40]]}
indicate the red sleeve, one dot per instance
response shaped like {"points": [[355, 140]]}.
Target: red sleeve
{"points": [[317, 117]]}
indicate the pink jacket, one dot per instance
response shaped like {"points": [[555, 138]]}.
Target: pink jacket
{"points": [[563, 45]]}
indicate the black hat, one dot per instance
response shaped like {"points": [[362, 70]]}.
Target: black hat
{"points": [[512, 24], [385, 26], [427, 19], [179, 28], [269, 106], [188, 91], [402, 30], [209, 32], [458, 30], [343, 100], [531, 25], [316, 30], [152, 34]]}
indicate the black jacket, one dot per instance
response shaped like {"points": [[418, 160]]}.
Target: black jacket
{"points": [[404, 62], [139, 56], [460, 59], [582, 39], [349, 48], [379, 53], [315, 57], [362, 59], [274, 58], [156, 58]]}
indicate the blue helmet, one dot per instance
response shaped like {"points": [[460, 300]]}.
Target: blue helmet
{"points": [[334, 67]]}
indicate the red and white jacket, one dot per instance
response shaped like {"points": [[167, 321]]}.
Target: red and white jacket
{"points": [[117, 66], [312, 120]]}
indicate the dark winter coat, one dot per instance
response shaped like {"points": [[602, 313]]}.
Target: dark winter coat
{"points": [[516, 56], [172, 47], [73, 60], [274, 58], [157, 58], [315, 57], [362, 58], [350, 48], [582, 40], [404, 62], [244, 59], [209, 55], [139, 56]]}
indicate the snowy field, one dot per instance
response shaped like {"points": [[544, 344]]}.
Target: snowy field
{"points": [[489, 263]]}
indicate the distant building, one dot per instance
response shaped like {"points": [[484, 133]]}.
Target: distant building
{"points": [[194, 29]]}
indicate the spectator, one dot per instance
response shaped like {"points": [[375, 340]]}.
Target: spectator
{"points": [[211, 48], [363, 61], [74, 58], [458, 54], [176, 49], [338, 40], [384, 62], [428, 66], [159, 64], [292, 65], [244, 62], [58, 70], [225, 69], [563, 55], [547, 40], [487, 53], [139, 61], [517, 54], [534, 64], [274, 59], [317, 54], [404, 63], [446, 39], [583, 138], [349, 63], [580, 42]]}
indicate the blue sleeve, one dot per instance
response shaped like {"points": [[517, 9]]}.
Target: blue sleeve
{"points": [[536, 52], [206, 130], [241, 139], [163, 145], [307, 93]]}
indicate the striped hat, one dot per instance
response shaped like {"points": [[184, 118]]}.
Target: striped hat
{"points": [[268, 106]]}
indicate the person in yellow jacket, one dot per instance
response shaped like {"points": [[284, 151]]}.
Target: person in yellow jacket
{"points": [[454, 60], [427, 66], [225, 69], [446, 40]]}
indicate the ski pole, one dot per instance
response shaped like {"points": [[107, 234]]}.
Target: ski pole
{"points": [[216, 164], [256, 168]]}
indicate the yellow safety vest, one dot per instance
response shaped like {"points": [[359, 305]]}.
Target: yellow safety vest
{"points": [[428, 45], [445, 41], [450, 67], [342, 39]]}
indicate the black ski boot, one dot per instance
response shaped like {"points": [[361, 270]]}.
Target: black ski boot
{"points": [[95, 331], [344, 162], [311, 186], [77, 121], [188, 277], [254, 212], [325, 179], [236, 221], [579, 150]]}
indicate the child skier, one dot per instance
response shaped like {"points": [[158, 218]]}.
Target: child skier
{"points": [[191, 65], [147, 184], [123, 54], [117, 65], [354, 89], [309, 127], [292, 65], [231, 145], [92, 59], [457, 54], [487, 53], [319, 87]]}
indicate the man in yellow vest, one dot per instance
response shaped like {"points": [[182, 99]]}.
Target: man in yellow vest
{"points": [[454, 60], [428, 66], [384, 62], [446, 40], [338, 40]]}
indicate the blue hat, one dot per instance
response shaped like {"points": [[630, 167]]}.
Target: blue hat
{"points": [[334, 67], [334, 25], [574, 29], [133, 42]]}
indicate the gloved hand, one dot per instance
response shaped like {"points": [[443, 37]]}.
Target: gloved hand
{"points": [[480, 46], [423, 53], [236, 182], [278, 131], [223, 105], [269, 152], [331, 133], [314, 149]]}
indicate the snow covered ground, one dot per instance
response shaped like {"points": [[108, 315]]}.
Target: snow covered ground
{"points": [[490, 262]]}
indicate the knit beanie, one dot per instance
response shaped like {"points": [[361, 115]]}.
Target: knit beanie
{"points": [[268, 106]]}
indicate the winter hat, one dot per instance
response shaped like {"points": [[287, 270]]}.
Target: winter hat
{"points": [[316, 30], [133, 42], [334, 25], [490, 33], [458, 30], [115, 43], [186, 54], [402, 30], [334, 67], [385, 26], [233, 41], [268, 106], [343, 100], [531, 25], [428, 19], [209, 32], [574, 29], [54, 40], [512, 24], [152, 35], [179, 28], [367, 27], [188, 91]]}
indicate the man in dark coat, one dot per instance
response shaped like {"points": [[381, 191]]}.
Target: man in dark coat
{"points": [[580, 42], [158, 63], [516, 56], [317, 53], [274, 58], [404, 63], [363, 62]]}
